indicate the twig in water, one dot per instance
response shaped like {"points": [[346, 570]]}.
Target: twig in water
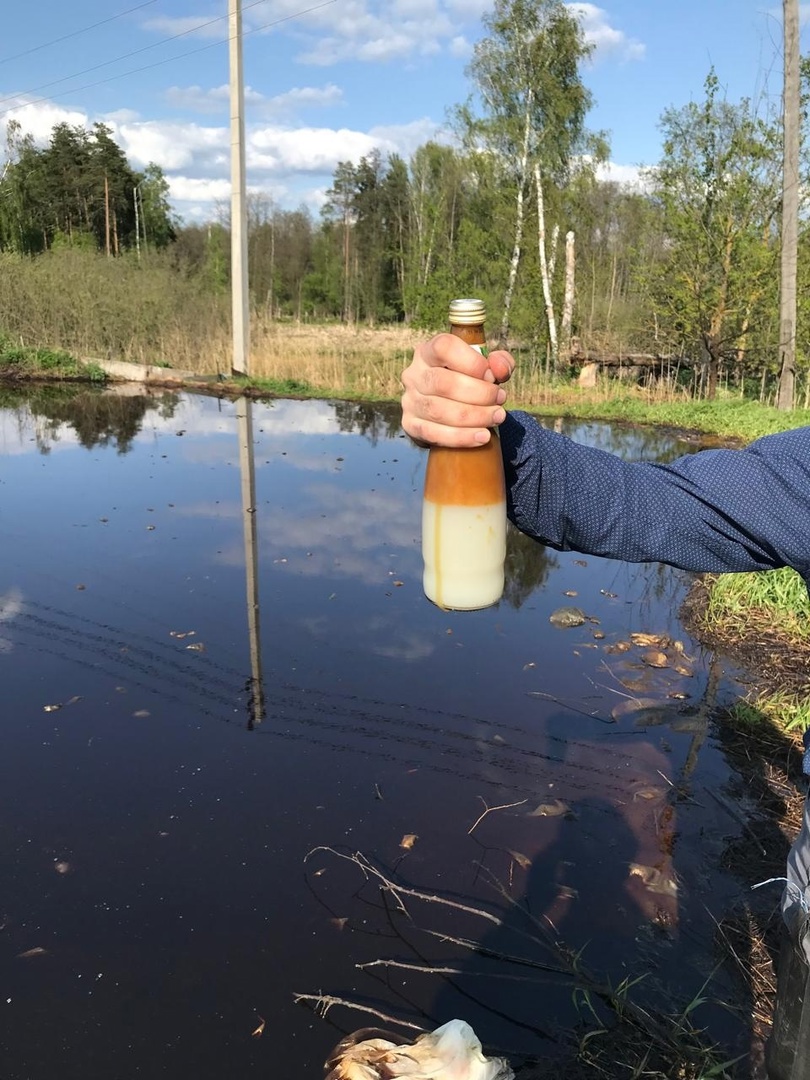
{"points": [[489, 809], [324, 1002]]}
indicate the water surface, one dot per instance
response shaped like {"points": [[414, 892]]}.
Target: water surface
{"points": [[172, 755]]}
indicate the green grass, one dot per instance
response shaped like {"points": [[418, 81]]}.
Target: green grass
{"points": [[17, 361], [728, 418], [768, 612]]}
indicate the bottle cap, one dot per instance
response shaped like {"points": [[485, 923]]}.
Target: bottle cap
{"points": [[467, 312]]}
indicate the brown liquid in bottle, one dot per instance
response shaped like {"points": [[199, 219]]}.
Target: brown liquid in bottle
{"points": [[464, 507]]}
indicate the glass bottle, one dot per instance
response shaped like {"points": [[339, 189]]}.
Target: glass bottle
{"points": [[464, 505]]}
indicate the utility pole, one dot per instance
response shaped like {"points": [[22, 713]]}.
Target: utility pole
{"points": [[137, 222], [240, 297], [790, 206]]}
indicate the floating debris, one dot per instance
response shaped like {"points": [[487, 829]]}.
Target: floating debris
{"points": [[649, 792], [523, 861], [655, 658], [565, 617], [180, 634], [52, 708], [655, 879], [552, 808], [635, 705], [451, 1052], [36, 951], [408, 840], [197, 646]]}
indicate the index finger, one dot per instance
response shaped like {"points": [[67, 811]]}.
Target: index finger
{"points": [[449, 351]]}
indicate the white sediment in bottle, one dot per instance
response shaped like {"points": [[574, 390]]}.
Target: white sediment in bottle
{"points": [[464, 506]]}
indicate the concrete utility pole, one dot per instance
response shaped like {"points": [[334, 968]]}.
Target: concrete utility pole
{"points": [[240, 297], [790, 207]]}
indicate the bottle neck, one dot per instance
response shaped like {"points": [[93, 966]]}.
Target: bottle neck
{"points": [[472, 335]]}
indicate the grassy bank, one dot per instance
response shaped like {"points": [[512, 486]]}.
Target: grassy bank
{"points": [[20, 363], [761, 620]]}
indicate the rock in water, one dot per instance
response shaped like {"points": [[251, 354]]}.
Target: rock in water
{"points": [[451, 1052]]}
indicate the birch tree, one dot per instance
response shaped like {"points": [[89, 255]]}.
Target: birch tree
{"points": [[533, 105]]}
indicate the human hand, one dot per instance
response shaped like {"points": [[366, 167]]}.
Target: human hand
{"points": [[452, 394]]}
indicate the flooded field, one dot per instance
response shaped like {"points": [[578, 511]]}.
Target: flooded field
{"points": [[211, 699]]}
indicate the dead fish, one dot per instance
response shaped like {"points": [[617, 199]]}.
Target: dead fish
{"points": [[552, 808], [451, 1052]]}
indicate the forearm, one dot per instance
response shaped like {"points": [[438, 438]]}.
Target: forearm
{"points": [[716, 511]]}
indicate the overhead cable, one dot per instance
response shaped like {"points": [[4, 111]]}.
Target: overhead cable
{"points": [[169, 60], [75, 33]]}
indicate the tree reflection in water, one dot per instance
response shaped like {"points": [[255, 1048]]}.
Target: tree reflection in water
{"points": [[99, 417]]}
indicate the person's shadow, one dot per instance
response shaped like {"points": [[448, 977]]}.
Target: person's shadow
{"points": [[599, 959]]}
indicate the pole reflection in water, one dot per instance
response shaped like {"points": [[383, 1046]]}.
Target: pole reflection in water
{"points": [[244, 419]]}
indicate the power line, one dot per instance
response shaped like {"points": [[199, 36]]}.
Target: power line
{"points": [[159, 63], [124, 56], [76, 33]]}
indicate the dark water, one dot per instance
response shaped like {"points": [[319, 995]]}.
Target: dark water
{"points": [[156, 899]]}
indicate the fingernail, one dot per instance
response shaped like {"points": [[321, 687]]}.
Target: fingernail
{"points": [[498, 416], [481, 437], [501, 397]]}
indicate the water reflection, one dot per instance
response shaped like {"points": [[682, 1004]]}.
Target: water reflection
{"points": [[186, 829], [247, 472]]}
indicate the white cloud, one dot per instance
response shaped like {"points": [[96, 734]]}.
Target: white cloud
{"points": [[214, 100], [38, 118], [606, 39], [199, 189], [283, 151], [636, 177], [173, 145]]}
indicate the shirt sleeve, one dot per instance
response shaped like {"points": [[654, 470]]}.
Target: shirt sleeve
{"points": [[713, 511]]}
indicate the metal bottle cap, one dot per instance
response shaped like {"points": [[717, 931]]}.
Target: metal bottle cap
{"points": [[467, 312]]}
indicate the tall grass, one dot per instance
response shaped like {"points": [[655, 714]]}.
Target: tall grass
{"points": [[153, 311]]}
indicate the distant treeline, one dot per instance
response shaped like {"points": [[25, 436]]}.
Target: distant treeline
{"points": [[683, 263]]}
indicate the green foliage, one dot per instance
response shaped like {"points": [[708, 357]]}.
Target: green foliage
{"points": [[718, 185], [78, 191], [20, 361]]}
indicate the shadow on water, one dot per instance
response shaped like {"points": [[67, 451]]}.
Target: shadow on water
{"points": [[541, 834], [611, 950]]}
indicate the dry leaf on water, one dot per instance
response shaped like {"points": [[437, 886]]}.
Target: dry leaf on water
{"points": [[646, 640], [522, 860], [408, 840], [259, 1031], [655, 658], [552, 808], [633, 705]]}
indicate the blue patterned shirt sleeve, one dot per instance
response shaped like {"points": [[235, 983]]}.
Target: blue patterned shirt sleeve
{"points": [[714, 511]]}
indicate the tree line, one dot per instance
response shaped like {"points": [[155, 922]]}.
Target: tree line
{"points": [[682, 265]]}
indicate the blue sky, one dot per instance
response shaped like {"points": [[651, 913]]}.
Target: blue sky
{"points": [[328, 80]]}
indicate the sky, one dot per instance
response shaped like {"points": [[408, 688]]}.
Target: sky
{"points": [[330, 80]]}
